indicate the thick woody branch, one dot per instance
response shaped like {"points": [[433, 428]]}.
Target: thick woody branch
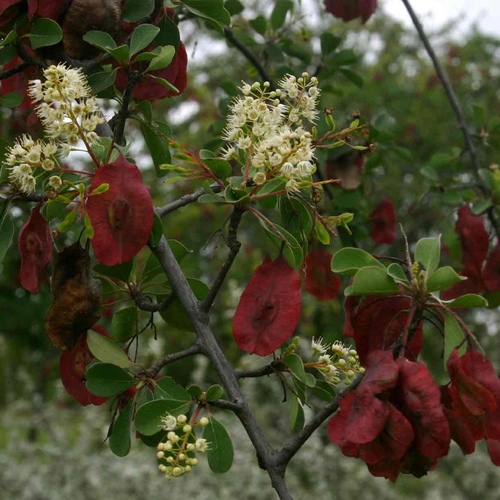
{"points": [[457, 108], [121, 119], [258, 372], [209, 345], [6, 73]]}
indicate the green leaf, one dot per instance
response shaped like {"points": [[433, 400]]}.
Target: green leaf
{"points": [[453, 336], [427, 252], [297, 417], [149, 415], [135, 10], [295, 216], [120, 271], [9, 39], [214, 392], [100, 39], [45, 32], [321, 233], [158, 147], [323, 390], [195, 390], [467, 301], [105, 350], [278, 15], [119, 440], [480, 206], [141, 37], [211, 198], [68, 221], [220, 448], [102, 80], [106, 380], [11, 100], [221, 168], [296, 366], [164, 82], [396, 272], [163, 59], [87, 223], [292, 250], [351, 260], [121, 53], [210, 9], [168, 388], [443, 278], [6, 235], [123, 324], [329, 43], [372, 281]]}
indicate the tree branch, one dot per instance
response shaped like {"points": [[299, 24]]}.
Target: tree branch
{"points": [[181, 202], [211, 348], [229, 34], [155, 368], [292, 447], [457, 108], [258, 372], [119, 127], [234, 247]]}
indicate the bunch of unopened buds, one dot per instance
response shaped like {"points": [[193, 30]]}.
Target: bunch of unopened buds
{"points": [[177, 453]]}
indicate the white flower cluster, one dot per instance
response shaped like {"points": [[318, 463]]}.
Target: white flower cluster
{"points": [[340, 366], [68, 112], [177, 453], [65, 105], [268, 130]]}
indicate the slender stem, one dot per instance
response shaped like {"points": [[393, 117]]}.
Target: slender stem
{"points": [[234, 247], [155, 368], [145, 304], [181, 202], [229, 34], [292, 447], [457, 108]]}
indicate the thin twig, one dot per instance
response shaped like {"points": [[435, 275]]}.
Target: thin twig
{"points": [[229, 34], [155, 368], [457, 108], [234, 247], [144, 303], [292, 447], [258, 372], [181, 202], [226, 405], [119, 128], [6, 73]]}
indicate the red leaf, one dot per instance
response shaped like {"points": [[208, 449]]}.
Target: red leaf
{"points": [[269, 309], [52, 9], [35, 247], [376, 323], [475, 389], [421, 405], [123, 216], [150, 90], [383, 222], [19, 81], [491, 271], [320, 280], [381, 372], [5, 4], [474, 239], [350, 9], [367, 417], [72, 367], [494, 450]]}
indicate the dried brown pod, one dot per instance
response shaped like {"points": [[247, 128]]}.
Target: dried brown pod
{"points": [[77, 296], [84, 16]]}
